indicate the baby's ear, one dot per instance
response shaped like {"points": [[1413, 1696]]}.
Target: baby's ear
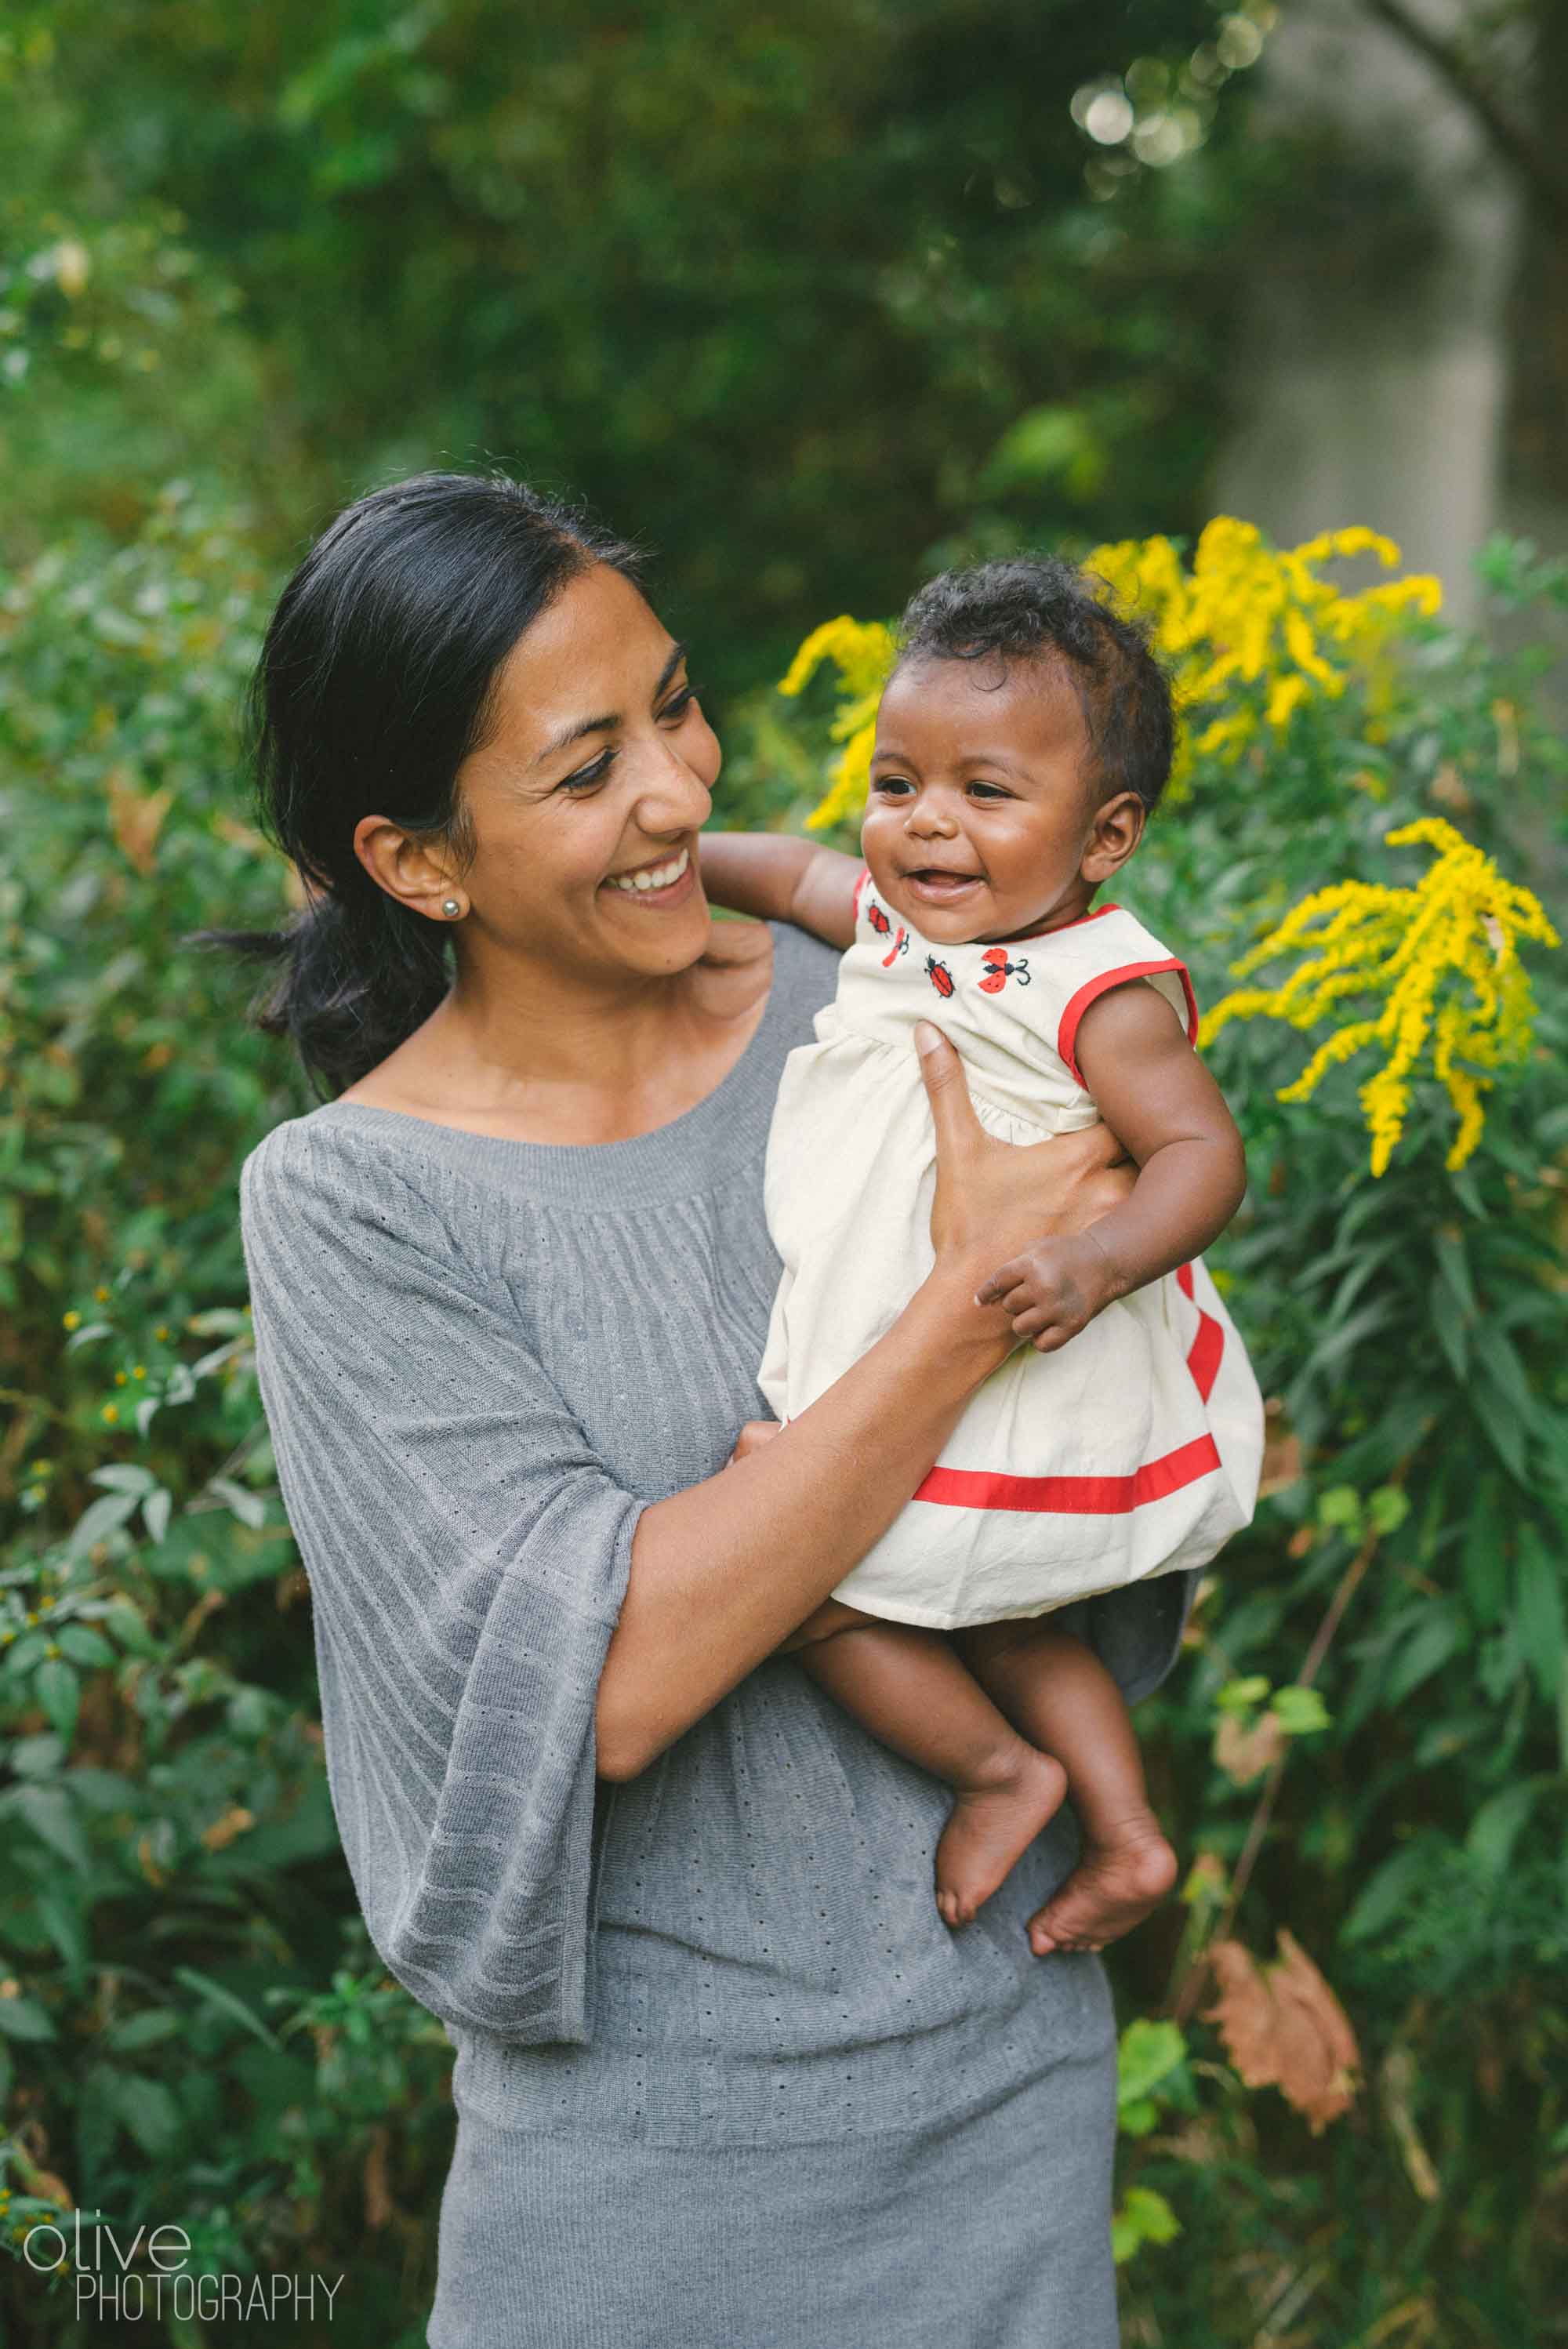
{"points": [[1117, 830]]}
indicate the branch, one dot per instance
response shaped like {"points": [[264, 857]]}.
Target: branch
{"points": [[1517, 145]]}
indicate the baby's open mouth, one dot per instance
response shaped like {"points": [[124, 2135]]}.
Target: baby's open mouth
{"points": [[937, 881]]}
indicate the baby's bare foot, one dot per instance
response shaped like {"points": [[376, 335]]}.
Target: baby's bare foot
{"points": [[1113, 1888], [992, 1827]]}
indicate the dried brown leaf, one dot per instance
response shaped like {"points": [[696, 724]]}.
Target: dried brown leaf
{"points": [[1285, 2029], [1245, 1753], [135, 818]]}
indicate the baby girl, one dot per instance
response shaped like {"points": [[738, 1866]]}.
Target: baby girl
{"points": [[1021, 743]]}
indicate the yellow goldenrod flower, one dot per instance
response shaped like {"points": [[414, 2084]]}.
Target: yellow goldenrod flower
{"points": [[110, 1412], [70, 1320], [863, 651], [1253, 634], [1444, 958]]}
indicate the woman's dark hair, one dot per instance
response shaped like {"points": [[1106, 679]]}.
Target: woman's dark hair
{"points": [[376, 681], [1039, 608]]}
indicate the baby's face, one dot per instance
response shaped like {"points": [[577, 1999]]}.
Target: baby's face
{"points": [[980, 824]]}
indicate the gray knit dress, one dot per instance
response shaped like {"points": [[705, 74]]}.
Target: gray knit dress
{"points": [[723, 2079]]}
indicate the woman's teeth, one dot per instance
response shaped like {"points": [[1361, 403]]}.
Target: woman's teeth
{"points": [[656, 877]]}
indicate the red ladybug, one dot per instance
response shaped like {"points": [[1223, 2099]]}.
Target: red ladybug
{"points": [[877, 918], [999, 970], [899, 947], [939, 974]]}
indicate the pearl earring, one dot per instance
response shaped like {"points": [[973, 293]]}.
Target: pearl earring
{"points": [[450, 907]]}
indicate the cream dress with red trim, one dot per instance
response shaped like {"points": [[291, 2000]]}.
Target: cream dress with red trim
{"points": [[1131, 1451]]}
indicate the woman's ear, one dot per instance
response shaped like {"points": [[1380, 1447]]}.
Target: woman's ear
{"points": [[403, 865], [1115, 833]]}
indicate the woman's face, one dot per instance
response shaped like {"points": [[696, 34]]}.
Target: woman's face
{"points": [[599, 771]]}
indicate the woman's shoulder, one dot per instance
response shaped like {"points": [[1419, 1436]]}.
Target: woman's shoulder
{"points": [[314, 1177]]}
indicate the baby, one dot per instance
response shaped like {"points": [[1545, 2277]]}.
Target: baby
{"points": [[1021, 743]]}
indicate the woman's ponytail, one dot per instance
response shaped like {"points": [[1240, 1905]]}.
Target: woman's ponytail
{"points": [[373, 685]]}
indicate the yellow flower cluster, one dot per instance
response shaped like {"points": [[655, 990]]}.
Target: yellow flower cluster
{"points": [[863, 652], [1444, 955], [1253, 631]]}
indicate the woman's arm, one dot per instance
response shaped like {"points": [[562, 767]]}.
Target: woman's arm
{"points": [[778, 877], [1157, 1096], [723, 1571]]}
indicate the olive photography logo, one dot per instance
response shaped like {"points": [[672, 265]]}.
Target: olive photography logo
{"points": [[150, 2275]]}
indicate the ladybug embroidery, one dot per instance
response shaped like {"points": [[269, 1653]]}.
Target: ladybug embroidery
{"points": [[877, 918], [999, 970], [939, 974], [899, 947]]}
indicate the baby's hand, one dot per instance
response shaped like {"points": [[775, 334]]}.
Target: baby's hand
{"points": [[1050, 1291]]}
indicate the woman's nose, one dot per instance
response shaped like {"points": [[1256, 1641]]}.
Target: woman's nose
{"points": [[672, 796]]}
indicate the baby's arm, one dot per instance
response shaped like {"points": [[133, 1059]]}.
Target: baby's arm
{"points": [[1164, 1107], [781, 878]]}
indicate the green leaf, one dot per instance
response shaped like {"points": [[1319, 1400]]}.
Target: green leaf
{"points": [[101, 1517], [1299, 1711], [1145, 2217], [24, 2018], [1340, 1506], [147, 2028], [59, 1692], [225, 2001], [48, 1811], [1149, 2051], [1542, 1621], [1388, 1509], [1496, 1828], [1241, 1695], [148, 2111], [155, 1514], [1483, 1560], [124, 1476], [38, 1757], [250, 1507], [85, 1646], [1425, 1652], [130, 1627]]}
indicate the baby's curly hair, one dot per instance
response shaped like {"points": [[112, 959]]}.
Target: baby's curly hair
{"points": [[1039, 608]]}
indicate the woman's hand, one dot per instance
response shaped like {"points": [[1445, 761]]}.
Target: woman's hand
{"points": [[993, 1198], [752, 1437]]}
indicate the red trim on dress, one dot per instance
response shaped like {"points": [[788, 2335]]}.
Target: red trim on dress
{"points": [[865, 875], [1076, 1497], [1090, 992], [1208, 1346]]}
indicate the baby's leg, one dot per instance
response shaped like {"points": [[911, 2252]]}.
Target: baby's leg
{"points": [[1058, 1693], [909, 1688]]}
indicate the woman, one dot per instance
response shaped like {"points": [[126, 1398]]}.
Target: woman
{"points": [[722, 2075]]}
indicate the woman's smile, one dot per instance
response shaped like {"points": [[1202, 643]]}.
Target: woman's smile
{"points": [[668, 883]]}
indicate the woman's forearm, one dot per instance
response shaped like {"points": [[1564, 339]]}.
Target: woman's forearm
{"points": [[723, 1571]]}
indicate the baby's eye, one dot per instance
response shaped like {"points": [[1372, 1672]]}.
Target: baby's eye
{"points": [[896, 784], [990, 792]]}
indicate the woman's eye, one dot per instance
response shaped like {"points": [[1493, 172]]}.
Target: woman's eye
{"points": [[585, 777], [683, 701]]}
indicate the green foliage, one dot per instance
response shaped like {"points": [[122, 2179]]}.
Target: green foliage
{"points": [[1378, 1663], [170, 1864]]}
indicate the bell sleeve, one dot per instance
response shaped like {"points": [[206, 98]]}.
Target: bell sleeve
{"points": [[467, 1554]]}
